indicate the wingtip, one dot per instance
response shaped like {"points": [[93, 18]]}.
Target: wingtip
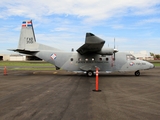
{"points": [[89, 34]]}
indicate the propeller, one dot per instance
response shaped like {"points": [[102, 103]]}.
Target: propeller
{"points": [[115, 50]]}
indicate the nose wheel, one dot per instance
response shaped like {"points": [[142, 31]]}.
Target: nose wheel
{"points": [[137, 73]]}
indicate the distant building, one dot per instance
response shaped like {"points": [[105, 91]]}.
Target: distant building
{"points": [[17, 57], [1, 57], [4, 57], [142, 55]]}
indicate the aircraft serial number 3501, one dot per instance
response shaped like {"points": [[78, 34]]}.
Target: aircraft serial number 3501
{"points": [[90, 55]]}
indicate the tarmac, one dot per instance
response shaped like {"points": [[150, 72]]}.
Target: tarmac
{"points": [[60, 95]]}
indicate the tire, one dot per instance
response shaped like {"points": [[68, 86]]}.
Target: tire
{"points": [[137, 73], [90, 73]]}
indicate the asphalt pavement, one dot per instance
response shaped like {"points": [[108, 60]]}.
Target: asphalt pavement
{"points": [[60, 95]]}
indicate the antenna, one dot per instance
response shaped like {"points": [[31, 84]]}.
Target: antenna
{"points": [[114, 43], [114, 49], [72, 49]]}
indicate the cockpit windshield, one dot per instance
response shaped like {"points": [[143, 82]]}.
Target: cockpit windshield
{"points": [[130, 57]]}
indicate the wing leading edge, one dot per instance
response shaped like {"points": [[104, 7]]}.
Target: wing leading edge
{"points": [[92, 44]]}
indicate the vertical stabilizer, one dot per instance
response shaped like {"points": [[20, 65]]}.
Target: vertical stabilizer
{"points": [[27, 39]]}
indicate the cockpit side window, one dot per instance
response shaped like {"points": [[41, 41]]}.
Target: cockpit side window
{"points": [[130, 57]]}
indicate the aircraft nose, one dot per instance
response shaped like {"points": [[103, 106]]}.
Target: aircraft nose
{"points": [[152, 66]]}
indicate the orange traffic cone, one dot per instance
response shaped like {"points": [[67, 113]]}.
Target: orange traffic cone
{"points": [[5, 70]]}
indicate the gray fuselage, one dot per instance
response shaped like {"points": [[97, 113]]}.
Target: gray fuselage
{"points": [[72, 61]]}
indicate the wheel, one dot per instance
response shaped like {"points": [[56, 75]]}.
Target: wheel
{"points": [[137, 73], [90, 73]]}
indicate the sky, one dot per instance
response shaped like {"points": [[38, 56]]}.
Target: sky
{"points": [[63, 24]]}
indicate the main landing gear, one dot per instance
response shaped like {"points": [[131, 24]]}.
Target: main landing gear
{"points": [[137, 73], [90, 73]]}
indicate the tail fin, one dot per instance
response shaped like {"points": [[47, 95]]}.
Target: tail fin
{"points": [[27, 39]]}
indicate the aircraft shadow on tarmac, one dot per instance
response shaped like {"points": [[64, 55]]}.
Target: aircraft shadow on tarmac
{"points": [[100, 75]]}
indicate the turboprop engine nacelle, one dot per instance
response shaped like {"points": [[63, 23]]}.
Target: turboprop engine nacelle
{"points": [[106, 51]]}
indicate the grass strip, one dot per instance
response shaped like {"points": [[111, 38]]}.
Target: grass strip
{"points": [[24, 63], [156, 64]]}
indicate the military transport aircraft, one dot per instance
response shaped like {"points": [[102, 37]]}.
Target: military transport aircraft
{"points": [[89, 56]]}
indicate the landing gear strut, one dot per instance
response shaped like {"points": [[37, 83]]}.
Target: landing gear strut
{"points": [[137, 73], [90, 73]]}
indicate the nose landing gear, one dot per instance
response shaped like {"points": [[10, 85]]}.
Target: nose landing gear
{"points": [[137, 73]]}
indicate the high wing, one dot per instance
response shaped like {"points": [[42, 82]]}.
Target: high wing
{"points": [[93, 44]]}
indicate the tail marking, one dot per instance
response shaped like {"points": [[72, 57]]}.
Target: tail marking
{"points": [[26, 24]]}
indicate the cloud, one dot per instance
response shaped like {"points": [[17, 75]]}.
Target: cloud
{"points": [[94, 10], [150, 20], [62, 41], [69, 20], [118, 26]]}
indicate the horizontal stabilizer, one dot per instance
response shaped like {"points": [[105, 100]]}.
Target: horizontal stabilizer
{"points": [[23, 51]]}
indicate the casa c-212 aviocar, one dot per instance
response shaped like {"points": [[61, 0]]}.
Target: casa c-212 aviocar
{"points": [[90, 55]]}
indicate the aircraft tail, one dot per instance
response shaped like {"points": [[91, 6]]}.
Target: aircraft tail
{"points": [[27, 39]]}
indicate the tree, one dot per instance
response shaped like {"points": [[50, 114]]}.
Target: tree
{"points": [[157, 56], [151, 54]]}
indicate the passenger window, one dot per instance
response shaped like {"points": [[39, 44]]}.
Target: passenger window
{"points": [[100, 59], [86, 59], [71, 59], [79, 59]]}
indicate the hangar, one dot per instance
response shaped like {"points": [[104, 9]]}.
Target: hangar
{"points": [[17, 57], [1, 57], [4, 57], [142, 55]]}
